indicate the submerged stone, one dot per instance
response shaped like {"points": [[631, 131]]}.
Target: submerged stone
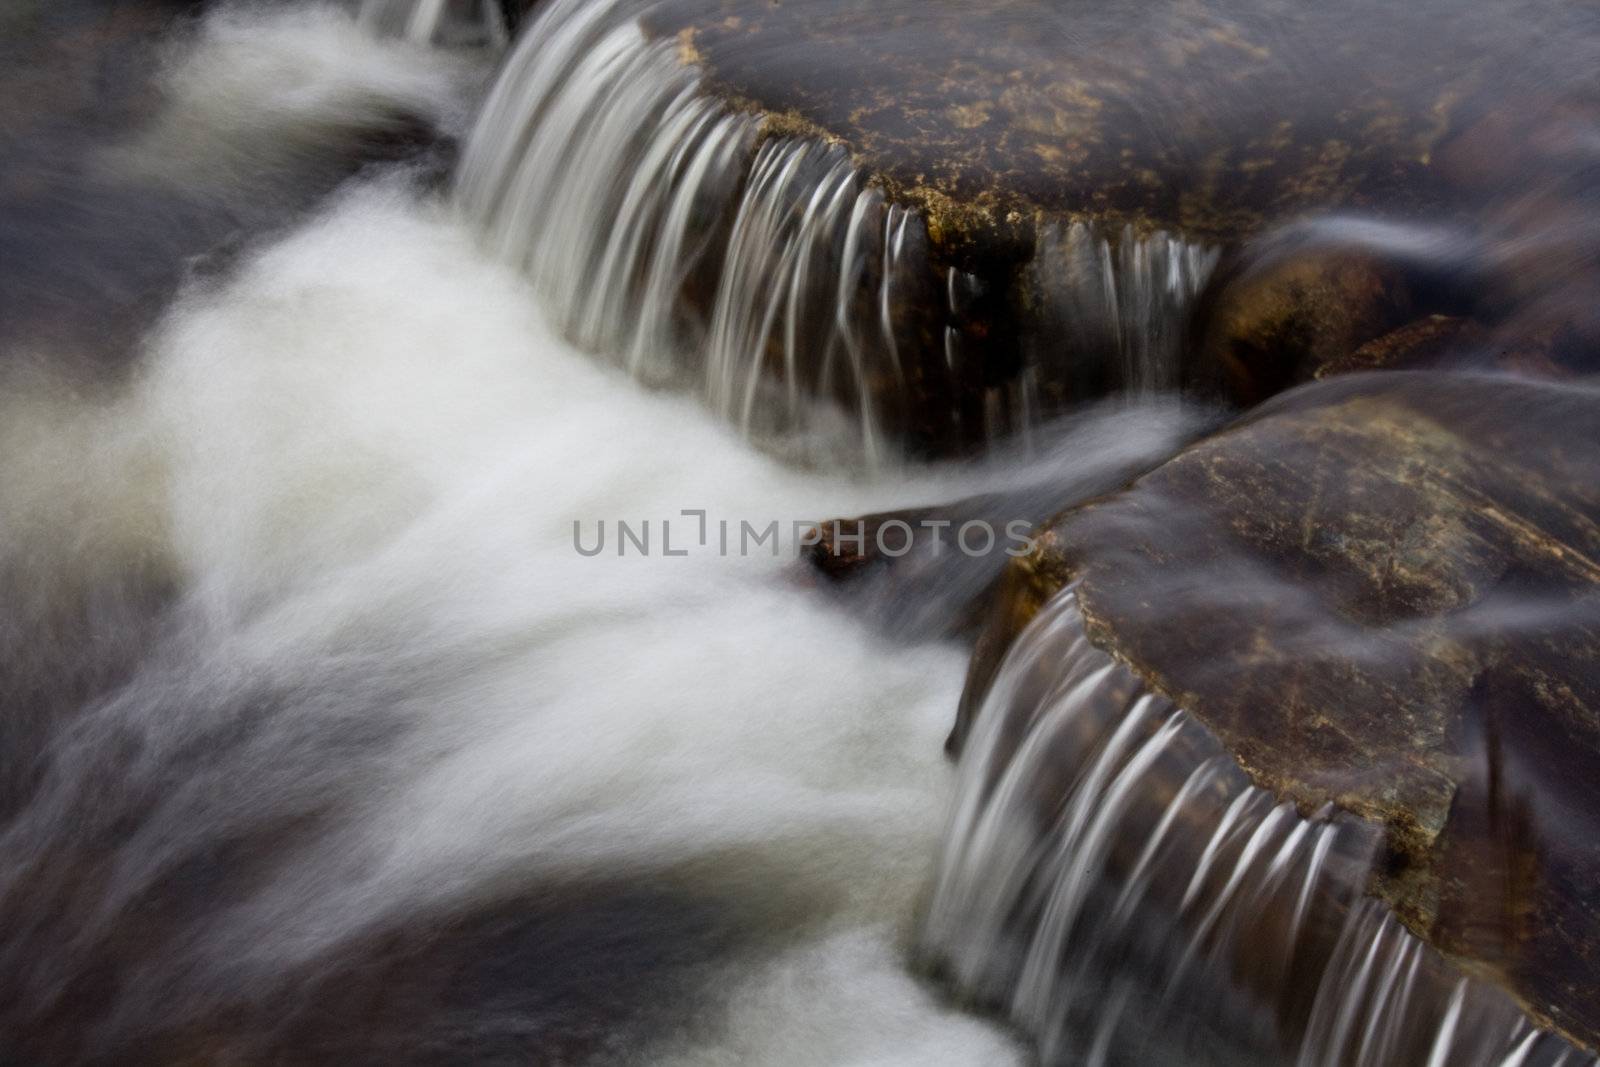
{"points": [[1341, 293], [1382, 592]]}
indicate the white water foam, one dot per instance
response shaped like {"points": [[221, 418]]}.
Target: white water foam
{"points": [[379, 685], [255, 88], [447, 23], [359, 461], [375, 686]]}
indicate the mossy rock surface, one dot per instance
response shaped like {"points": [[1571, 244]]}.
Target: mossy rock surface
{"points": [[1219, 123], [1382, 591], [1203, 117]]}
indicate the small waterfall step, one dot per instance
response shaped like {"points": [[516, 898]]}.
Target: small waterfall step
{"points": [[1113, 882], [445, 23], [709, 246]]}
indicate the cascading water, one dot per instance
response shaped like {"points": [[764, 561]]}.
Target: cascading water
{"points": [[448, 23], [763, 300], [323, 740], [1127, 298], [1387, 998], [1113, 882], [699, 245], [323, 744]]}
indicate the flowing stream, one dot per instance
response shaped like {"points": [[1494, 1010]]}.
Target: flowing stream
{"points": [[760, 269], [1114, 882], [364, 762], [327, 739]]}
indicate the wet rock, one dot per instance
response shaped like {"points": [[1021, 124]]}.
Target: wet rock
{"points": [[907, 569], [1382, 591], [517, 12], [933, 571], [1335, 294], [1208, 118], [1005, 124], [1284, 323], [1342, 293], [1416, 344]]}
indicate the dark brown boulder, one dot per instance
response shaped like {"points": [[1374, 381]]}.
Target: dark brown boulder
{"points": [[1343, 293], [1288, 322], [1382, 591], [1209, 118], [1019, 128], [962, 218], [1329, 296]]}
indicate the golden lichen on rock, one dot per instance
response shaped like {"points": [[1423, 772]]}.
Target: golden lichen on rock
{"points": [[1213, 132], [1383, 592]]}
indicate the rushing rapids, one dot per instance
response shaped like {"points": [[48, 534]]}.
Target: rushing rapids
{"points": [[319, 743], [324, 740], [1114, 883]]}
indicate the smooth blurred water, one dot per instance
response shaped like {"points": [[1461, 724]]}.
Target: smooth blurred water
{"points": [[322, 742]]}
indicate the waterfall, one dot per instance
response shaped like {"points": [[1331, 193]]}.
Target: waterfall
{"points": [[661, 228], [698, 246], [1126, 298], [451, 23], [324, 740], [1114, 883], [1386, 998], [321, 744]]}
